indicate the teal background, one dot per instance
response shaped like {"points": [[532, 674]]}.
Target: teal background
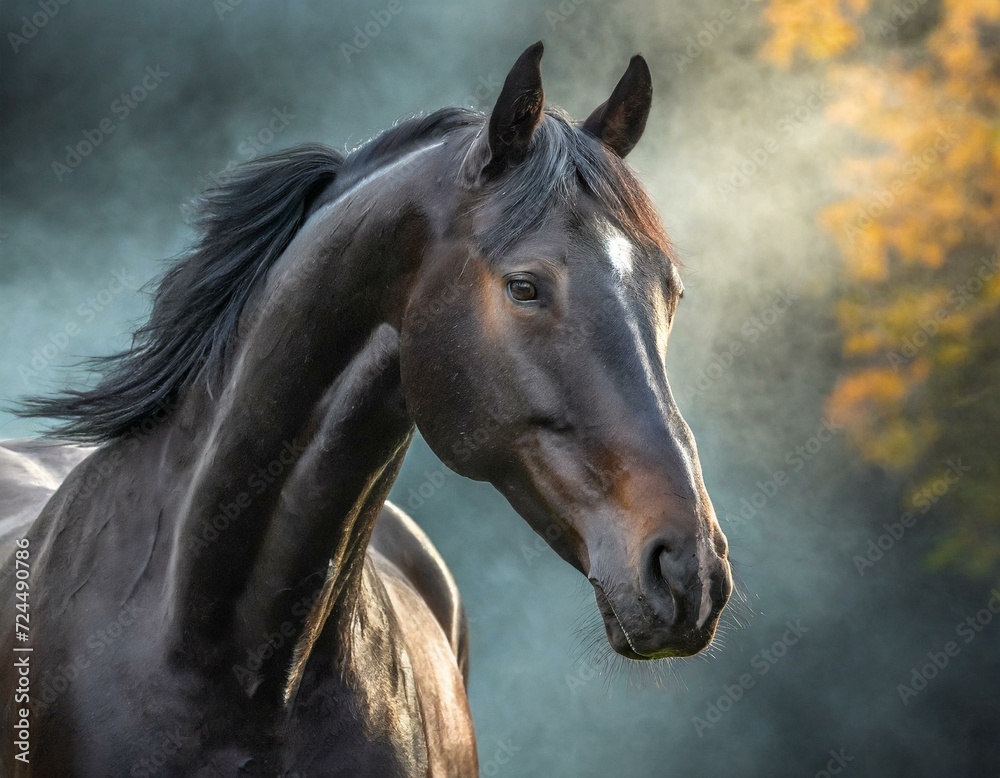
{"points": [[750, 378]]}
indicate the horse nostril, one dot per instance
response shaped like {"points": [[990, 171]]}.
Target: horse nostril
{"points": [[662, 564], [674, 584], [674, 564]]}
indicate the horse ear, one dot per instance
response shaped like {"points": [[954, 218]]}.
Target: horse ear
{"points": [[517, 112], [619, 122]]}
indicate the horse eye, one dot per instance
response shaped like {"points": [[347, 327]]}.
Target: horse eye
{"points": [[522, 291]]}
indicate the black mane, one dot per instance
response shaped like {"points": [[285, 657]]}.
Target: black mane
{"points": [[245, 223]]}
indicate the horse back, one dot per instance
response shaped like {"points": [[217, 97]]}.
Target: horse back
{"points": [[30, 471], [402, 542]]}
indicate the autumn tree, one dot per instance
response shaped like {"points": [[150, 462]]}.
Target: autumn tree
{"points": [[918, 228]]}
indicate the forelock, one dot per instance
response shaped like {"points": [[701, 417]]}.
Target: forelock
{"points": [[563, 163]]}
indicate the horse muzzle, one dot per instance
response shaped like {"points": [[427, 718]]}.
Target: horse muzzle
{"points": [[669, 612]]}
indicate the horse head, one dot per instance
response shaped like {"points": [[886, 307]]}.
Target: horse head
{"points": [[533, 356]]}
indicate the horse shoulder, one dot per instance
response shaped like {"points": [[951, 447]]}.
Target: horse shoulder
{"points": [[429, 612]]}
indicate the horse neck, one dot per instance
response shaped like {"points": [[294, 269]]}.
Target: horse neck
{"points": [[305, 438]]}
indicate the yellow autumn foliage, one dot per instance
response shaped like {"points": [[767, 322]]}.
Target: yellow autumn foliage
{"points": [[918, 229]]}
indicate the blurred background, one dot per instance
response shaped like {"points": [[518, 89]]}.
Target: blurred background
{"points": [[829, 172]]}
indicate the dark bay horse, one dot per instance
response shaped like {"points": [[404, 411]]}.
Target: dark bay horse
{"points": [[218, 586]]}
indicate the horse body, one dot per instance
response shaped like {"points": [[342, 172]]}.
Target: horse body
{"points": [[256, 652], [413, 626], [220, 588]]}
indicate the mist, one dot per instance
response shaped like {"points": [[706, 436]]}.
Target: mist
{"points": [[114, 115]]}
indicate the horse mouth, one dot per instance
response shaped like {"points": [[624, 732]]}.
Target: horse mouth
{"points": [[622, 642], [617, 636]]}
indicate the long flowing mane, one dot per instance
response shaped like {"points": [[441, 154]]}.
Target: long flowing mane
{"points": [[246, 221], [244, 224]]}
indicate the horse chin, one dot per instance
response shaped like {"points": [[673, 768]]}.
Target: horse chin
{"points": [[617, 636], [625, 645]]}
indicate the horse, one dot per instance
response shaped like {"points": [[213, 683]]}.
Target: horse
{"points": [[216, 584]]}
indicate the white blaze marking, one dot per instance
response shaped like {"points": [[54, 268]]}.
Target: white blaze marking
{"points": [[620, 251]]}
